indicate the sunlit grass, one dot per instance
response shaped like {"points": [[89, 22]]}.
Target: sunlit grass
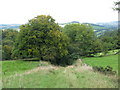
{"points": [[57, 77], [16, 66], [103, 61]]}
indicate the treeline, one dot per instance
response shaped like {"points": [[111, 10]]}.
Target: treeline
{"points": [[8, 40], [44, 39]]}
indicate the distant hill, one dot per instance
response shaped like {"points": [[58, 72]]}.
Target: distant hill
{"points": [[113, 24], [63, 24], [110, 25], [99, 28], [9, 26]]}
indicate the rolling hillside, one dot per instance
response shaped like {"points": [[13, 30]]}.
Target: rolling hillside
{"points": [[31, 74], [99, 28], [9, 26]]}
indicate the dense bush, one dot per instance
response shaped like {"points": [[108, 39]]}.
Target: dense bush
{"points": [[8, 39], [107, 70], [82, 39], [109, 41], [67, 60]]}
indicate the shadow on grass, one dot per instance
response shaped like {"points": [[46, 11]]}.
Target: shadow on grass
{"points": [[31, 60]]}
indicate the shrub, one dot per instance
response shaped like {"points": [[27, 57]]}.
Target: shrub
{"points": [[68, 60], [107, 70]]}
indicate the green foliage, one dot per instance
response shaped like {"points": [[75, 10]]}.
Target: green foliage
{"points": [[82, 38], [8, 39], [97, 46], [117, 8], [9, 34], [6, 52], [106, 70], [68, 60], [109, 41], [41, 37]]}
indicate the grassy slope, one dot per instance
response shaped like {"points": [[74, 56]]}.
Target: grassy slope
{"points": [[57, 77], [12, 67], [103, 61]]}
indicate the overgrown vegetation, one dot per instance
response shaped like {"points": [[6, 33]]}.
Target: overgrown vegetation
{"points": [[26, 74], [107, 70], [8, 40], [81, 37], [45, 40], [36, 53]]}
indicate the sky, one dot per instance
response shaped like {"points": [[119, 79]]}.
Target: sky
{"points": [[92, 11]]}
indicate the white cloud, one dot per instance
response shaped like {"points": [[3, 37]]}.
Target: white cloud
{"points": [[20, 11]]}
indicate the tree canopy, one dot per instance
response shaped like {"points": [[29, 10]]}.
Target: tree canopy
{"points": [[41, 37], [82, 37], [8, 39]]}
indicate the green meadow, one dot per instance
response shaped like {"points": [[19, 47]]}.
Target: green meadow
{"points": [[36, 74], [103, 61]]}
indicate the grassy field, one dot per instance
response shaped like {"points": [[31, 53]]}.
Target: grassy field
{"points": [[12, 67], [103, 61], [25, 74]]}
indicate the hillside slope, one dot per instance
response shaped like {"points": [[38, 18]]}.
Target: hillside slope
{"points": [[78, 75]]}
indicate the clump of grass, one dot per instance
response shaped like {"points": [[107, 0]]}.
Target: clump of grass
{"points": [[78, 63], [43, 63]]}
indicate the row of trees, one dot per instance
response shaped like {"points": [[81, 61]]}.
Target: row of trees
{"points": [[42, 38], [8, 39], [109, 40], [86, 43]]}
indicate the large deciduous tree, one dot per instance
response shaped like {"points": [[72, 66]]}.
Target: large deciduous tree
{"points": [[82, 37], [41, 37]]}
